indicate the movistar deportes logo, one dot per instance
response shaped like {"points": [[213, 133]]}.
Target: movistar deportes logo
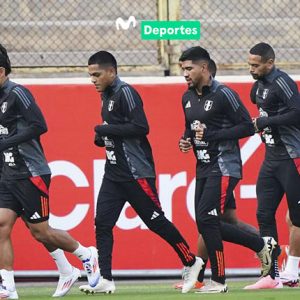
{"points": [[125, 24], [170, 30]]}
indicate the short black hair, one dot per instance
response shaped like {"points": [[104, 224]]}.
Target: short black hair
{"points": [[264, 50], [195, 54], [103, 58], [212, 68], [4, 60]]}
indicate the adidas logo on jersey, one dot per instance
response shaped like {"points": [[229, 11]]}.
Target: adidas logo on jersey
{"points": [[154, 215], [188, 104], [213, 212], [35, 216]]}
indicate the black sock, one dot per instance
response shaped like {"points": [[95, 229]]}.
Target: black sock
{"points": [[201, 273], [274, 272]]}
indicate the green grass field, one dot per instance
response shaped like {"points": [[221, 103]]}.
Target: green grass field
{"points": [[147, 290]]}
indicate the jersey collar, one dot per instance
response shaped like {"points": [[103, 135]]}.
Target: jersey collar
{"points": [[272, 75]]}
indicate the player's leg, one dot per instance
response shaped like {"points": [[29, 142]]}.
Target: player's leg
{"points": [[9, 211], [111, 200], [243, 234], [269, 194], [68, 274], [291, 183], [230, 216], [210, 198], [32, 194], [144, 199], [7, 221]]}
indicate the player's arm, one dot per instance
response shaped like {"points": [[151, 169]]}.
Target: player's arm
{"points": [[135, 123], [34, 124], [185, 144], [287, 91], [253, 92], [238, 115]]}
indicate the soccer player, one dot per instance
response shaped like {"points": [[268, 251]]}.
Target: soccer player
{"points": [[68, 274], [277, 99], [229, 216], [129, 173], [215, 119], [25, 181]]}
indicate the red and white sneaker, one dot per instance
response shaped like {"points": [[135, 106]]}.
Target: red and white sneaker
{"points": [[66, 282], [266, 282], [283, 257], [197, 285], [289, 279]]}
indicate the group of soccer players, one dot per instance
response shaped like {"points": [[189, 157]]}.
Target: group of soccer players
{"points": [[215, 120]]}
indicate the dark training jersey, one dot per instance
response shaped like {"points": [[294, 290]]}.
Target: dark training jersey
{"points": [[277, 97], [21, 124], [226, 119], [123, 133]]}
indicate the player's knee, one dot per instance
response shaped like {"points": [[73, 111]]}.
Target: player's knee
{"points": [[40, 235], [156, 224], [102, 226], [265, 217], [5, 232], [206, 221]]}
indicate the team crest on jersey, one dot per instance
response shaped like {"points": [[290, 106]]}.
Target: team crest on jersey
{"points": [[265, 93], [208, 105], [111, 105], [4, 107]]}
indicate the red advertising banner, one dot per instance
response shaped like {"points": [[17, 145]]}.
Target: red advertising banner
{"points": [[71, 112]]}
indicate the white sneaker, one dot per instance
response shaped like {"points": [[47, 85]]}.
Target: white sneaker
{"points": [[6, 294], [289, 279], [265, 255], [190, 275], [104, 286], [213, 287], [65, 282], [91, 267]]}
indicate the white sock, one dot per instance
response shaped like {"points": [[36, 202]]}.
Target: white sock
{"points": [[8, 280], [63, 265], [292, 265], [83, 253]]}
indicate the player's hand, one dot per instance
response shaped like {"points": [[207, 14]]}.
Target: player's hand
{"points": [[98, 141], [185, 145], [260, 123], [199, 132], [255, 125]]}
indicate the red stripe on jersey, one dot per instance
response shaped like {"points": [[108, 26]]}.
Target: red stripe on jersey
{"points": [[147, 189], [224, 187], [40, 184], [297, 163]]}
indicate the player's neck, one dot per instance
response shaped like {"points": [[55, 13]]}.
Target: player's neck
{"points": [[200, 85]]}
